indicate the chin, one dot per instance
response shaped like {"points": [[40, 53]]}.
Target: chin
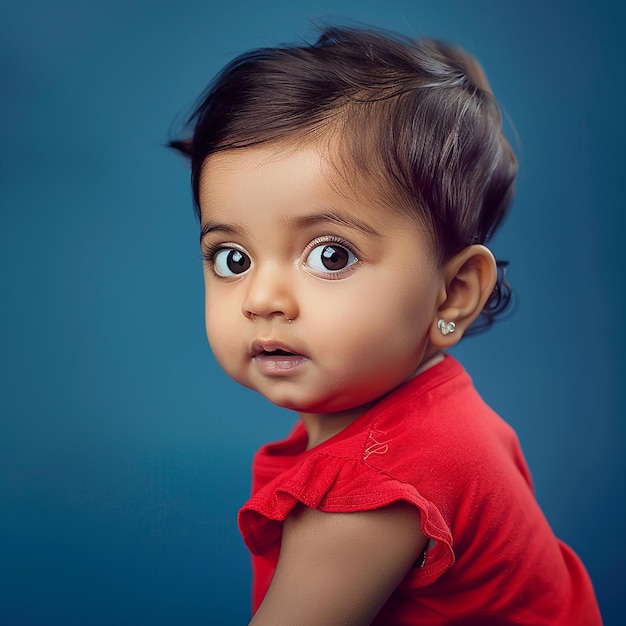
{"points": [[285, 401], [327, 406], [289, 404]]}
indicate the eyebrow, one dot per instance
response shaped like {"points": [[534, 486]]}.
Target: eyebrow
{"points": [[335, 218], [212, 227], [297, 222]]}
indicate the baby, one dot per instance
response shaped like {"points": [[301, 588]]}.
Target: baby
{"points": [[346, 192]]}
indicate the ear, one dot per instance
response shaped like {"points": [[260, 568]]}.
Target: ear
{"points": [[469, 279]]}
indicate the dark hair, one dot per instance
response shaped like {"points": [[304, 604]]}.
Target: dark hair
{"points": [[417, 117]]}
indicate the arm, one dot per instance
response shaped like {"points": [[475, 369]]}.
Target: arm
{"points": [[340, 568]]}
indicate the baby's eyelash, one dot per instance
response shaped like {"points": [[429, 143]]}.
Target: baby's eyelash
{"points": [[340, 241], [209, 251], [322, 257]]}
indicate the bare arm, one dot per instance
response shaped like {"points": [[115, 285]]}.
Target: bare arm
{"points": [[340, 568]]}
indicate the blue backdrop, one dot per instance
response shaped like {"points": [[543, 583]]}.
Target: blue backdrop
{"points": [[124, 451]]}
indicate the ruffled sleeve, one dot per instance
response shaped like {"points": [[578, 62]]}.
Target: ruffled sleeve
{"points": [[334, 484]]}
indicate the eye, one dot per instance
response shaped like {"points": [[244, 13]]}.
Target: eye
{"points": [[330, 258], [230, 262]]}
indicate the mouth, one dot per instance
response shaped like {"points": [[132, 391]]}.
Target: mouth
{"points": [[274, 359], [277, 352], [269, 347]]}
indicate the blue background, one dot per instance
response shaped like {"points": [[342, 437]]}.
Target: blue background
{"points": [[124, 451]]}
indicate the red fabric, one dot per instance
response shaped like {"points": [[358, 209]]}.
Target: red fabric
{"points": [[433, 443]]}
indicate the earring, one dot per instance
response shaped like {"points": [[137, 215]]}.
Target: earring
{"points": [[446, 327]]}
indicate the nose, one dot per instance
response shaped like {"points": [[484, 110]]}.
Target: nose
{"points": [[270, 293]]}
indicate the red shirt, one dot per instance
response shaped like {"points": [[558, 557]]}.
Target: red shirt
{"points": [[434, 443]]}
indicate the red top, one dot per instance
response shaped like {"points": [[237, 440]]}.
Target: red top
{"points": [[434, 443]]}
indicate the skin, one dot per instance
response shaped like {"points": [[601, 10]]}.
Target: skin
{"points": [[323, 301]]}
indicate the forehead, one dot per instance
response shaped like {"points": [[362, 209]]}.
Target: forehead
{"points": [[294, 177], [282, 168], [258, 164]]}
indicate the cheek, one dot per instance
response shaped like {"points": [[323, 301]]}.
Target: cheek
{"points": [[413, 298], [396, 305], [371, 324], [218, 323]]}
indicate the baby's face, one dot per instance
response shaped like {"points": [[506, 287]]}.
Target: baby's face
{"points": [[318, 300]]}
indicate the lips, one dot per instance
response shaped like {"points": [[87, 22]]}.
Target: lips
{"points": [[273, 358], [272, 348]]}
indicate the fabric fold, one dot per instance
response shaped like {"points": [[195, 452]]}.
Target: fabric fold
{"points": [[333, 484]]}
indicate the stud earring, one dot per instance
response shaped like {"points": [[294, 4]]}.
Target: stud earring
{"points": [[446, 327]]}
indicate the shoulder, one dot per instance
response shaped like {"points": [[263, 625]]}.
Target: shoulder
{"points": [[440, 420]]}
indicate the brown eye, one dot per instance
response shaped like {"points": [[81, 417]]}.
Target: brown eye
{"points": [[334, 258], [330, 258], [230, 262]]}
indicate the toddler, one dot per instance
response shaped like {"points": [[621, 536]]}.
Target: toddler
{"points": [[346, 192]]}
